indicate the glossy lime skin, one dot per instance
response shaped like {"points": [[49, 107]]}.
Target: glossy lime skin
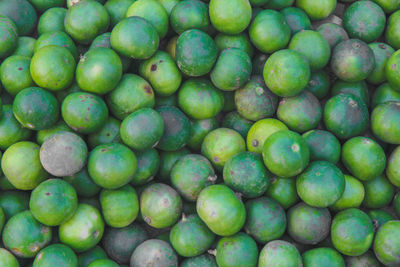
{"points": [[286, 73], [367, 259], [99, 70], [323, 145], [25, 46], [269, 31], [352, 232], [317, 10], [221, 210], [86, 20], [323, 257], [392, 36], [285, 153], [53, 202], [190, 237], [364, 158], [56, 254], [22, 13], [333, 33], [191, 174], [383, 94], [36, 108], [383, 122], [109, 133], [153, 12], [246, 173], [239, 250], [87, 219], [117, 10], [240, 41], [9, 36], [21, 165], [392, 70], [13, 202], [52, 20], [63, 154], [162, 72], [85, 258], [386, 244], [321, 184], [129, 42], [15, 74], [392, 170], [52, 67], [279, 253], [59, 38], [230, 17], [352, 60], [353, 195], [382, 53], [261, 131], [379, 192], [168, 160], [132, 93], [177, 128], [112, 165], [83, 183], [308, 225], [196, 52], [266, 219], [283, 191], [220, 145], [200, 128], [24, 236], [232, 69], [300, 113], [154, 252], [199, 99], [297, 19], [190, 14], [120, 207], [160, 205], [205, 260], [254, 101], [358, 89], [359, 23], [84, 112], [8, 259], [345, 115]]}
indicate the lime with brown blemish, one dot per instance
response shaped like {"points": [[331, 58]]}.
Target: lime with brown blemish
{"points": [[15, 74]]}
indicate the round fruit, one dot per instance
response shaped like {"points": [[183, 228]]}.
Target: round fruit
{"points": [[200, 128], [109, 133], [322, 257], [317, 10], [187, 15], [154, 252], [279, 253], [333, 33], [230, 16], [322, 145], [297, 19], [22, 13], [386, 244], [56, 254], [384, 122], [240, 41], [52, 20], [59, 38], [352, 196], [379, 192], [283, 191], [15, 74]]}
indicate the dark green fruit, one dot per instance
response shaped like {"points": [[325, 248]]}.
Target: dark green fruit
{"points": [[15, 74], [119, 243], [148, 162], [24, 236], [177, 128], [246, 173], [109, 133], [279, 253], [352, 232], [205, 260], [190, 237], [63, 154], [384, 93], [297, 19], [286, 73], [283, 191], [85, 258], [56, 255], [154, 252], [160, 205], [191, 174], [319, 84], [87, 219], [36, 108], [359, 23], [239, 250], [53, 202], [285, 153], [196, 52], [254, 101], [322, 257], [240, 41], [99, 70], [323, 145], [352, 196], [352, 60], [25, 46], [52, 20], [13, 202], [59, 38], [364, 158], [345, 115], [382, 54], [9, 35], [333, 33], [112, 165], [321, 184], [230, 17], [358, 89], [379, 192], [308, 225], [117, 10], [190, 14], [168, 160], [386, 244], [83, 183], [21, 165], [266, 219], [200, 128], [86, 20], [22, 13]]}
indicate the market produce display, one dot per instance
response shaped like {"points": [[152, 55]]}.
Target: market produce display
{"points": [[199, 133]]}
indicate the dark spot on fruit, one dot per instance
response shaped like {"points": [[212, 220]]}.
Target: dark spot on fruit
{"points": [[47, 194], [394, 66], [161, 61], [147, 219], [107, 134], [148, 90], [253, 164], [382, 46], [255, 143], [86, 119], [153, 67], [231, 172], [103, 150], [96, 234], [216, 159], [166, 202], [19, 68]]}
